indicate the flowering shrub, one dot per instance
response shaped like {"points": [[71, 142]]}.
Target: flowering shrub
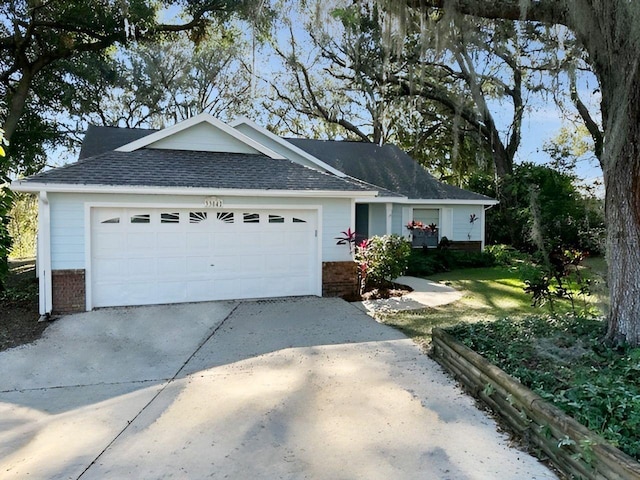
{"points": [[413, 225], [381, 259]]}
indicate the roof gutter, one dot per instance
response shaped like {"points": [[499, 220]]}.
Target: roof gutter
{"points": [[428, 201], [33, 187]]}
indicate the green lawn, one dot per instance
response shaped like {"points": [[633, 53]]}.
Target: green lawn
{"points": [[489, 294]]}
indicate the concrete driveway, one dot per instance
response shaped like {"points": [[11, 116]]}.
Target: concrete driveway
{"points": [[303, 388]]}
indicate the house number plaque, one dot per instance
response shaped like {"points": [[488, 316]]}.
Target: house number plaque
{"points": [[213, 202]]}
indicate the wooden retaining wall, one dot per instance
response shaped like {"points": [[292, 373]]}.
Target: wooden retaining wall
{"points": [[574, 450]]}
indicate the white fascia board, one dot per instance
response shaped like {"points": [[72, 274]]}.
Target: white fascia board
{"points": [[450, 201], [290, 146], [382, 200], [190, 122], [423, 201], [31, 187]]}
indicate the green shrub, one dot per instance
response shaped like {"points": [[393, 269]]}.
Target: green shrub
{"points": [[504, 255], [381, 259], [570, 219], [423, 263], [563, 359]]}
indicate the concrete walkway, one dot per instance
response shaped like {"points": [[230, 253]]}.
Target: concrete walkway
{"points": [[303, 388], [426, 293]]}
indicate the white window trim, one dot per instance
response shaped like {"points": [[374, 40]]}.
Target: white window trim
{"points": [[427, 207]]}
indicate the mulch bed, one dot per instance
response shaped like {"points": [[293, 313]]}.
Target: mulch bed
{"points": [[19, 307], [394, 290]]}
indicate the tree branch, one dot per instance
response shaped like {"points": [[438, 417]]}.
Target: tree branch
{"points": [[546, 11], [592, 126]]}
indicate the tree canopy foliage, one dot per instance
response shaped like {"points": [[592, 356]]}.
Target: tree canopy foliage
{"points": [[569, 219]]}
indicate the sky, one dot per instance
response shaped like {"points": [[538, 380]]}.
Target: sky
{"points": [[542, 123]]}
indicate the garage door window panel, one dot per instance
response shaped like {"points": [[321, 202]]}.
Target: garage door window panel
{"points": [[197, 217], [170, 217], [225, 217], [141, 218], [251, 218]]}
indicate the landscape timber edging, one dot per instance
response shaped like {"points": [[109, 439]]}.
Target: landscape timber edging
{"points": [[571, 447]]}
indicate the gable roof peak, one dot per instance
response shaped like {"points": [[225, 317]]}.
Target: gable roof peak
{"points": [[202, 118]]}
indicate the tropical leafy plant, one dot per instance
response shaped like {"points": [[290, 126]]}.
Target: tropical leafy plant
{"points": [[348, 238]]}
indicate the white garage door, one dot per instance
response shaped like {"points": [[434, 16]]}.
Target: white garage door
{"points": [[149, 256]]}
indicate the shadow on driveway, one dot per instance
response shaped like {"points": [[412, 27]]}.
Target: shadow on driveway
{"points": [[110, 352]]}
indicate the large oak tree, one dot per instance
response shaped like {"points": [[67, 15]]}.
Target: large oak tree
{"points": [[609, 32]]}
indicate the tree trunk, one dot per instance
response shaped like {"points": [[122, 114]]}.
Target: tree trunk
{"points": [[17, 103], [621, 168]]}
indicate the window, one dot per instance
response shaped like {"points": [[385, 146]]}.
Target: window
{"points": [[112, 220], [426, 215], [251, 217], [170, 217], [298, 220], [143, 218], [276, 219], [226, 217], [197, 217]]}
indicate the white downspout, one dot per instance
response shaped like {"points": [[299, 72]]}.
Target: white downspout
{"points": [[44, 254], [483, 224], [389, 211]]}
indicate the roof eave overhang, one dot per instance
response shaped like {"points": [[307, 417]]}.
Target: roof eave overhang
{"points": [[34, 187], [428, 201]]}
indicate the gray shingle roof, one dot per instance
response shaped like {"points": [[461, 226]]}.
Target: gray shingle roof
{"points": [[386, 166], [178, 168], [99, 140], [371, 167]]}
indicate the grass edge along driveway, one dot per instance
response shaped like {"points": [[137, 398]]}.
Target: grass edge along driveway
{"points": [[489, 294]]}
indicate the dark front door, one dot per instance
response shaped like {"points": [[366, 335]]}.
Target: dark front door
{"points": [[362, 222]]}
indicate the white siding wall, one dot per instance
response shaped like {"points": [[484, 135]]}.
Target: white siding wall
{"points": [[67, 232], [68, 222], [397, 226], [463, 230]]}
